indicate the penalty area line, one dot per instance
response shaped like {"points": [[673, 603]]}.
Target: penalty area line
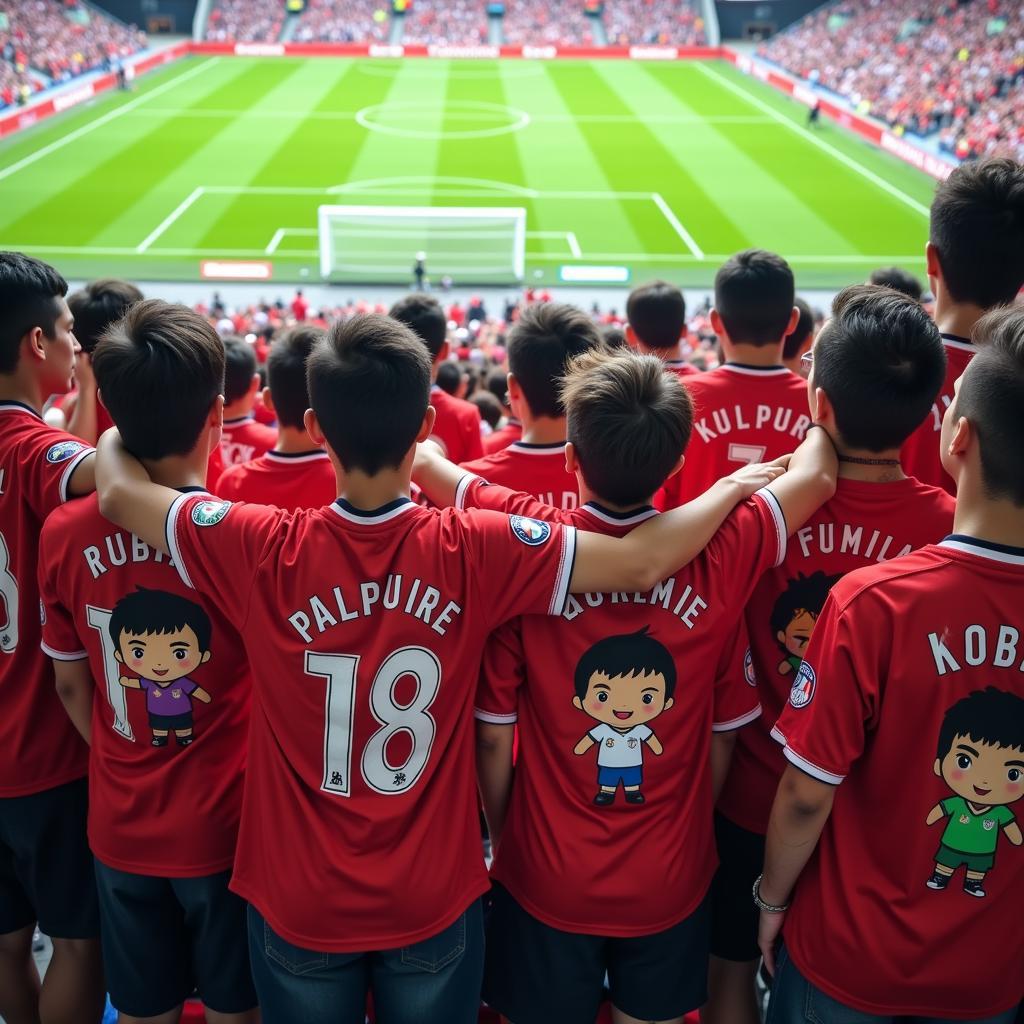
{"points": [[677, 226], [169, 220]]}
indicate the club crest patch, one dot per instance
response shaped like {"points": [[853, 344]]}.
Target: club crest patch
{"points": [[802, 692], [748, 669], [210, 513], [64, 450], [530, 531]]}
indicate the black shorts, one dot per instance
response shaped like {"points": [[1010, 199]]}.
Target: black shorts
{"points": [[734, 917], [45, 864], [535, 974], [165, 937], [171, 723]]}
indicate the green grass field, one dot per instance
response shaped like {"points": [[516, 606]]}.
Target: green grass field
{"points": [[664, 168]]}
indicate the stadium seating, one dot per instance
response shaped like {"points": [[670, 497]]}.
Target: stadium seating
{"points": [[65, 40], [675, 22], [538, 22], [245, 21], [343, 21], [14, 82], [922, 66], [433, 22]]}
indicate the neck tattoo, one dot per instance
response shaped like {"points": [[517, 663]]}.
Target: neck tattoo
{"points": [[868, 462]]}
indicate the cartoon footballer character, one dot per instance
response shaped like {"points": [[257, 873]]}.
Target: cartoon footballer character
{"points": [[162, 637], [795, 613], [981, 759], [623, 682]]}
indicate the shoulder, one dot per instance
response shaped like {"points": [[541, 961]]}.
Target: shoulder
{"points": [[481, 467], [467, 410], [889, 579]]}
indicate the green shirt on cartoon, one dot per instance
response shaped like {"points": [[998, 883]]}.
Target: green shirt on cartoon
{"points": [[971, 832]]}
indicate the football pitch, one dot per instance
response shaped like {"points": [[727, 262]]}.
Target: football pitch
{"points": [[663, 168]]}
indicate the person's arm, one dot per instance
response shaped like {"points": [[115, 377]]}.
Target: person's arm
{"points": [[129, 682], [83, 477], [200, 694], [435, 475], [722, 746], [494, 774], [802, 806], [75, 688], [83, 422]]}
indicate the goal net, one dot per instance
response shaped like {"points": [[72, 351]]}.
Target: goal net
{"points": [[471, 245]]}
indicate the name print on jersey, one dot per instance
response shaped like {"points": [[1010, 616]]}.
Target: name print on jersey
{"points": [[727, 421], [623, 682]]}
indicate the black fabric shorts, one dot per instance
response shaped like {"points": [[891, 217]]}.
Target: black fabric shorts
{"points": [[165, 937], [171, 723], [45, 864], [535, 974], [734, 916]]}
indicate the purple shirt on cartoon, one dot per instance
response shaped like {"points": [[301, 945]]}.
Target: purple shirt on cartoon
{"points": [[171, 700]]}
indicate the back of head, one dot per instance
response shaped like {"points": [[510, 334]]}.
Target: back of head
{"points": [[98, 305], [899, 280], [449, 376], [30, 293], [881, 362], [977, 228], [425, 317], [754, 294], [629, 421], [541, 344], [489, 406], [804, 328], [369, 385], [159, 370], [497, 384], [239, 368], [657, 314], [286, 373], [991, 397]]}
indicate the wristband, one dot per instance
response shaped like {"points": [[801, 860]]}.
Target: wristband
{"points": [[768, 908]]}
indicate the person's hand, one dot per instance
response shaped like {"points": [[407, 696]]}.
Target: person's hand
{"points": [[85, 379], [427, 452], [768, 930], [752, 478]]}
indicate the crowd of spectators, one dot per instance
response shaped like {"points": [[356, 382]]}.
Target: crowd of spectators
{"points": [[16, 84], [344, 21], [245, 21], [446, 22], [922, 66], [541, 23], [653, 22], [65, 39]]}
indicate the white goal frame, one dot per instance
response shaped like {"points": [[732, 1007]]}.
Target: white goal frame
{"points": [[325, 214]]}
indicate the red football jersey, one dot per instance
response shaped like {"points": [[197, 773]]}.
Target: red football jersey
{"points": [[503, 437], [912, 697], [623, 690], [214, 468], [289, 481], [863, 524], [244, 439], [742, 414], [39, 747], [456, 427], [168, 810], [535, 469], [682, 368], [921, 451], [360, 828]]}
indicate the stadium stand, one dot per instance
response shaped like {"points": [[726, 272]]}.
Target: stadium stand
{"points": [[15, 83], [653, 22], [536, 22], [343, 21], [441, 22], [922, 66], [64, 40], [245, 21]]}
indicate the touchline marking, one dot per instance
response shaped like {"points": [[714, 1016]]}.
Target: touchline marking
{"points": [[574, 245], [274, 242], [169, 219], [6, 172], [812, 138], [677, 226]]}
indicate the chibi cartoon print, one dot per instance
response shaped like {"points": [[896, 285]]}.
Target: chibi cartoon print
{"points": [[981, 759], [795, 613], [623, 682], [161, 638]]}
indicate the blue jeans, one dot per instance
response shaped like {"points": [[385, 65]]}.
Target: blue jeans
{"points": [[436, 981], [795, 1000]]}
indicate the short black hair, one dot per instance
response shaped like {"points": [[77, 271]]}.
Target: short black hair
{"points": [[991, 716], [541, 344], [803, 593], [158, 611], [449, 376], [286, 373], [489, 406], [991, 396], [239, 368], [657, 314], [369, 383], [899, 280], [881, 361], [29, 294], [804, 326], [159, 370], [424, 315], [754, 294], [614, 338], [977, 228], [497, 384], [624, 655], [99, 304]]}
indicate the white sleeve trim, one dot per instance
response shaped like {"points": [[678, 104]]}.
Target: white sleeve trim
{"points": [[63, 655], [810, 768], [778, 735], [494, 718], [779, 518], [565, 568], [736, 723], [69, 469], [171, 536], [463, 486]]}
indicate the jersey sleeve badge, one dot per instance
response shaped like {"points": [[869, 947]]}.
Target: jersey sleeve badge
{"points": [[210, 513], [802, 692], [64, 450], [530, 531]]}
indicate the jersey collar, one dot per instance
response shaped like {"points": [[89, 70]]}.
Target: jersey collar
{"points": [[756, 371], [984, 549], [392, 510], [555, 448], [956, 341], [13, 406], [606, 515], [290, 458], [239, 419]]}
